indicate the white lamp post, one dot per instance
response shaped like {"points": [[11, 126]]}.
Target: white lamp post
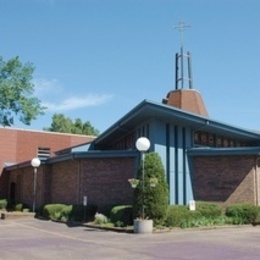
{"points": [[142, 144], [35, 162]]}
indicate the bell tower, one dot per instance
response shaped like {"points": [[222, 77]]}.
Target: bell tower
{"points": [[184, 96]]}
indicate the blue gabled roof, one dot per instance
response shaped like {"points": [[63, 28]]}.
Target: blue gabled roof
{"points": [[148, 109]]}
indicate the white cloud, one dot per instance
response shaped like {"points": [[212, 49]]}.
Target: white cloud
{"points": [[46, 86], [73, 103], [55, 97]]}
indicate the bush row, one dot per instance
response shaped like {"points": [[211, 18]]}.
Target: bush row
{"points": [[177, 215], [207, 214], [9, 206], [66, 213]]}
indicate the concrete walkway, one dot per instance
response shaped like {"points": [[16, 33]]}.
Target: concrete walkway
{"points": [[39, 239]]}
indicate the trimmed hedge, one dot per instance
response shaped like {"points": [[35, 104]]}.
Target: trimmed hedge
{"points": [[66, 213], [3, 203], [178, 215], [208, 209], [122, 215], [20, 207], [206, 214], [243, 213], [53, 211]]}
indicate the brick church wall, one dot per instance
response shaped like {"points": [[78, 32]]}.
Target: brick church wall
{"points": [[227, 179], [103, 181], [23, 178]]}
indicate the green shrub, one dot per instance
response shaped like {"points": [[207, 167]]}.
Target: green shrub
{"points": [[82, 213], [3, 203], [122, 215], [53, 211], [66, 213], [100, 219], [208, 209], [177, 215], [205, 215], [20, 207], [201, 221], [257, 219], [155, 199], [242, 213]]}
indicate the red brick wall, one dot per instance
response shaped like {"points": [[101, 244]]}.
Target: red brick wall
{"points": [[24, 180], [64, 182], [228, 179], [19, 145], [103, 181], [8, 141]]}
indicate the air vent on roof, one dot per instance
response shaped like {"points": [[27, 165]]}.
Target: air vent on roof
{"points": [[44, 152]]}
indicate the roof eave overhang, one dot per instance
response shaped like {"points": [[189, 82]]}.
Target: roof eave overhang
{"points": [[77, 156], [148, 109]]}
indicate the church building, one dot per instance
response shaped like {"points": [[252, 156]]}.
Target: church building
{"points": [[204, 159]]}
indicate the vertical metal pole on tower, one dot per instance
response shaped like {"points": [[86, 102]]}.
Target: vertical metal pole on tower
{"points": [[189, 70], [182, 72], [176, 71]]}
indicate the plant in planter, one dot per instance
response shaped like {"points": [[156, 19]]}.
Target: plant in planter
{"points": [[155, 200], [133, 182], [153, 182]]}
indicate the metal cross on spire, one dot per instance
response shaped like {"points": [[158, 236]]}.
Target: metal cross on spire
{"points": [[180, 70], [181, 27]]}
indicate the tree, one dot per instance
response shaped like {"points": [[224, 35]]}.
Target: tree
{"points": [[16, 93], [155, 199], [63, 124]]}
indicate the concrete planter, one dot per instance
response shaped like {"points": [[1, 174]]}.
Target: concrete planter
{"points": [[143, 226]]}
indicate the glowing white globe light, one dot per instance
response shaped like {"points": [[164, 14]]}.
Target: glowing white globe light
{"points": [[35, 162], [142, 144]]}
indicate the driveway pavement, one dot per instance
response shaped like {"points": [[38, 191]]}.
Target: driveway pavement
{"points": [[38, 239]]}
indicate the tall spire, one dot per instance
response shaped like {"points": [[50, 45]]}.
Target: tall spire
{"points": [[184, 74], [184, 98]]}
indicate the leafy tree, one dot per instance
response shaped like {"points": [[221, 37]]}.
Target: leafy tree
{"points": [[63, 124], [155, 199], [16, 93]]}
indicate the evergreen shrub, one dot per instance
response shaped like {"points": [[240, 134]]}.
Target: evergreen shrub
{"points": [[155, 199], [79, 212], [53, 211], [3, 203], [122, 215], [243, 213]]}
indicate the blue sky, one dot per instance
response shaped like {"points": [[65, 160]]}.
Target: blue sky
{"points": [[97, 59]]}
